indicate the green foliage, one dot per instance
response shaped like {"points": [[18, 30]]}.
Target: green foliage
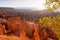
{"points": [[51, 22], [52, 5]]}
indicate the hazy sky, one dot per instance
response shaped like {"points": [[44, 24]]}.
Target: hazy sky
{"points": [[23, 3]]}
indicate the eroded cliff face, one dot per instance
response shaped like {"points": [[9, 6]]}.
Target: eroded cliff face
{"points": [[14, 28], [22, 25]]}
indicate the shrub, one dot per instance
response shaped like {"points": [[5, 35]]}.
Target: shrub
{"points": [[51, 22]]}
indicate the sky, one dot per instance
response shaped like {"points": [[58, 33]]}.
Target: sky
{"points": [[39, 4]]}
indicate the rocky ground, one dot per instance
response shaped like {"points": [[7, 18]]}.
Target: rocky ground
{"points": [[4, 37]]}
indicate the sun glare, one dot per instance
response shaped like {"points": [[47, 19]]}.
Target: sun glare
{"points": [[39, 4]]}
